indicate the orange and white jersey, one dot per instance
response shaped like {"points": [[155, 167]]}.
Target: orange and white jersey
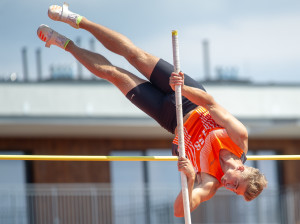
{"points": [[204, 139]]}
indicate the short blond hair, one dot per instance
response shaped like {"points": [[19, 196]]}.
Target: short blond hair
{"points": [[256, 183]]}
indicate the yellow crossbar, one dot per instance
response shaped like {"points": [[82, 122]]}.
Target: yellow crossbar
{"points": [[274, 157], [87, 158], [127, 158]]}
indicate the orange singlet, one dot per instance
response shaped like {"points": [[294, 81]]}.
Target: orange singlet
{"points": [[204, 139]]}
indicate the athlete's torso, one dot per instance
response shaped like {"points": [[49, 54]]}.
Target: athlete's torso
{"points": [[204, 139]]}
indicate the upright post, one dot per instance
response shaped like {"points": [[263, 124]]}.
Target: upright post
{"points": [[179, 116]]}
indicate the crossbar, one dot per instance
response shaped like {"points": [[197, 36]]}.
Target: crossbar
{"points": [[127, 158]]}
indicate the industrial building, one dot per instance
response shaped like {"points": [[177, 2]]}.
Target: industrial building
{"points": [[94, 118]]}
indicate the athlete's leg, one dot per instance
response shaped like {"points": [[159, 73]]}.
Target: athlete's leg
{"points": [[153, 68], [112, 40], [119, 44], [94, 62], [141, 93], [102, 68]]}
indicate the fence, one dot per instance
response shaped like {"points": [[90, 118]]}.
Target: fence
{"points": [[105, 204]]}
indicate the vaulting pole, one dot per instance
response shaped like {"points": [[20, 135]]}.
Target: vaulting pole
{"points": [[179, 116]]}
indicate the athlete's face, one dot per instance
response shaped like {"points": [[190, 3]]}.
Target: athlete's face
{"points": [[234, 180]]}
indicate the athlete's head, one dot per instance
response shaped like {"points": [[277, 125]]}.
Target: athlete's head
{"points": [[244, 180], [256, 182]]}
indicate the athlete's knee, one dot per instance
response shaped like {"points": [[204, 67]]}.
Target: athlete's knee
{"points": [[106, 71], [137, 56], [143, 62]]}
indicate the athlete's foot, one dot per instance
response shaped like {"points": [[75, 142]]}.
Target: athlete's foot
{"points": [[63, 14], [46, 34]]}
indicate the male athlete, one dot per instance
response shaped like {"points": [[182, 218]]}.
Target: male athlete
{"points": [[216, 142]]}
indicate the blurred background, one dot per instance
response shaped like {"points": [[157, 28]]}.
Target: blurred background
{"points": [[245, 53]]}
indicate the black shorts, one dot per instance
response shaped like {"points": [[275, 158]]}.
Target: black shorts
{"points": [[157, 99]]}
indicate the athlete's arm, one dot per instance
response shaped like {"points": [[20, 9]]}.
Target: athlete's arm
{"points": [[201, 193], [235, 129]]}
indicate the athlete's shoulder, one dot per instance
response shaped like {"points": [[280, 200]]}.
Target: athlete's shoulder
{"points": [[206, 179]]}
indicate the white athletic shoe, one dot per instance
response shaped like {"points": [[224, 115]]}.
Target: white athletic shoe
{"points": [[58, 13], [46, 34]]}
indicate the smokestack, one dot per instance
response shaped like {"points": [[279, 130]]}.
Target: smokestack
{"points": [[25, 64], [79, 66], [206, 61], [92, 44], [39, 64], [93, 49]]}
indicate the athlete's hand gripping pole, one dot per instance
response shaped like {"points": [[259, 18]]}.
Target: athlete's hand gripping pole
{"points": [[179, 116]]}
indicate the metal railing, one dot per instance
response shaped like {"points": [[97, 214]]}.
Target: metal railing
{"points": [[105, 204]]}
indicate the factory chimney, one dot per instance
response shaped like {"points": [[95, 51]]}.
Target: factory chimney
{"points": [[39, 64], [79, 66], [25, 64], [206, 60]]}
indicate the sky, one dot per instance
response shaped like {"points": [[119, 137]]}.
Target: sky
{"points": [[258, 38]]}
